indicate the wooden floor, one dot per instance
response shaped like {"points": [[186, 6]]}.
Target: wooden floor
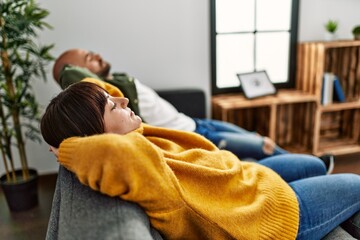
{"points": [[32, 224], [348, 164]]}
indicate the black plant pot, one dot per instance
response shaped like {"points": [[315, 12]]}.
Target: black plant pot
{"points": [[23, 195]]}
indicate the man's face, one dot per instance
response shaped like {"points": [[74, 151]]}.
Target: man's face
{"points": [[89, 60]]}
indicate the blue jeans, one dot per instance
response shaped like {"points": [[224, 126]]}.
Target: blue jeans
{"points": [[325, 201], [242, 143]]}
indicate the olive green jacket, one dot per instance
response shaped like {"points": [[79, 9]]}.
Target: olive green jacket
{"points": [[73, 74]]}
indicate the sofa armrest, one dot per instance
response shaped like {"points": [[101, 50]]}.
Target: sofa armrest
{"points": [[78, 212], [188, 101]]}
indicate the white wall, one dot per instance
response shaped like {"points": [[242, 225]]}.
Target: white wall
{"points": [[165, 44], [315, 13]]}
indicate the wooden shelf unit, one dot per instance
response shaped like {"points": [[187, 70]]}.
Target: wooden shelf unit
{"points": [[285, 117], [295, 118], [339, 57], [337, 125]]}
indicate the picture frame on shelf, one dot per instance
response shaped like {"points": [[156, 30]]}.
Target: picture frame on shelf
{"points": [[256, 84]]}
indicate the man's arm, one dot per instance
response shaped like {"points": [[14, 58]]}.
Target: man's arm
{"points": [[73, 74]]}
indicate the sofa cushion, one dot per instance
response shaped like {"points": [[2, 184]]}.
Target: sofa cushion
{"points": [[338, 234], [352, 225]]}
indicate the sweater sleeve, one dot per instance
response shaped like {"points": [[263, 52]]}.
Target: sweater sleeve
{"points": [[115, 165]]}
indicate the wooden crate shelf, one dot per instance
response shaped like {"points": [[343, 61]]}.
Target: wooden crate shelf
{"points": [[342, 148], [341, 58], [336, 128], [340, 106], [285, 117], [295, 118]]}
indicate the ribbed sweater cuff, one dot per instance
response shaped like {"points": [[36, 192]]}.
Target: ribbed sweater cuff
{"points": [[67, 150], [286, 213]]}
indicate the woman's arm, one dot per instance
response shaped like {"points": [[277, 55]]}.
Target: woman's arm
{"points": [[128, 166]]}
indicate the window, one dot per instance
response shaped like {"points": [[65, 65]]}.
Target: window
{"points": [[253, 35]]}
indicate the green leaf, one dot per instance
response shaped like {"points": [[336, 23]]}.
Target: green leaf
{"points": [[22, 61]]}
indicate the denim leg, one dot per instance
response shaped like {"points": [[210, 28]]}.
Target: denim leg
{"points": [[325, 202], [242, 143], [221, 126], [293, 167]]}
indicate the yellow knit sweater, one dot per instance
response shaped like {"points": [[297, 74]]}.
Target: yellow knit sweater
{"points": [[189, 188]]}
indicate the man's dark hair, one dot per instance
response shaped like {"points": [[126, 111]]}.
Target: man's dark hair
{"points": [[77, 111]]}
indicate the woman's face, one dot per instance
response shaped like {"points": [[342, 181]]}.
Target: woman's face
{"points": [[118, 118]]}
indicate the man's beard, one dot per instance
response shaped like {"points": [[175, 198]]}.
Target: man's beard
{"points": [[105, 71]]}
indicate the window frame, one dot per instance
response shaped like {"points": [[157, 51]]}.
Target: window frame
{"points": [[292, 51]]}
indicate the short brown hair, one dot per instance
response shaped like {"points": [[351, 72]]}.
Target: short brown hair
{"points": [[76, 111]]}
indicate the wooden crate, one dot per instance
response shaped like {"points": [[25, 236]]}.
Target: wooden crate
{"points": [[294, 130], [294, 118], [339, 131], [341, 58], [286, 117], [336, 126]]}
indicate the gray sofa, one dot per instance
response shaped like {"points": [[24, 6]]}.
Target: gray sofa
{"points": [[81, 213]]}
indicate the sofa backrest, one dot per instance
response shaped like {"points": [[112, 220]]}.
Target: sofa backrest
{"points": [[79, 213], [188, 101]]}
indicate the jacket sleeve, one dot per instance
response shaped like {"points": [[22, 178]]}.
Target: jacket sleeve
{"points": [[73, 74], [128, 166]]}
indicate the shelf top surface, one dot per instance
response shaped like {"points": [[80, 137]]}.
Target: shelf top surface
{"points": [[283, 96], [335, 44], [340, 106]]}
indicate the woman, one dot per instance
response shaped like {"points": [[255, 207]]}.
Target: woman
{"points": [[188, 187]]}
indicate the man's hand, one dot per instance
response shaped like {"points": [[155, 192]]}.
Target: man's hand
{"points": [[54, 150]]}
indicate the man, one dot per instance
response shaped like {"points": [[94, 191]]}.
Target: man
{"points": [[75, 64]]}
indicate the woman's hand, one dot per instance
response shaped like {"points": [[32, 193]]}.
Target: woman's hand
{"points": [[54, 150]]}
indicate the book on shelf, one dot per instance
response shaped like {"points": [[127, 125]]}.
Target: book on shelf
{"points": [[331, 89], [338, 90], [327, 88]]}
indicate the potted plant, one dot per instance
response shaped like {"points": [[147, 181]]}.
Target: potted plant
{"points": [[356, 32], [331, 26], [22, 60]]}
